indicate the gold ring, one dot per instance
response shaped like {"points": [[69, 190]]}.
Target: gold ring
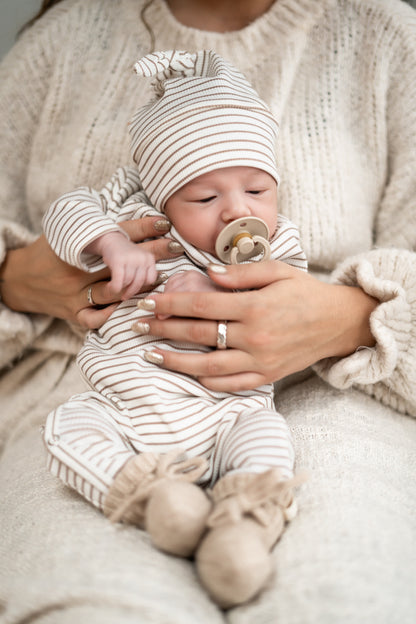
{"points": [[222, 335]]}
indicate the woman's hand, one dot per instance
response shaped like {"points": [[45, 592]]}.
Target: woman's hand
{"points": [[35, 279], [290, 321]]}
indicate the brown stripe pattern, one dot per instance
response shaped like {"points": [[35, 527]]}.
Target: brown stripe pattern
{"points": [[134, 406], [205, 116]]}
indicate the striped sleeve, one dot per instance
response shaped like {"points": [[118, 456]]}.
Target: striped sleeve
{"points": [[81, 216]]}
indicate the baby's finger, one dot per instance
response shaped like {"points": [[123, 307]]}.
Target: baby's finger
{"points": [[118, 280], [136, 280], [151, 275]]}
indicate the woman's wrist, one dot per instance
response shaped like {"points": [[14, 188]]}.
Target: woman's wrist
{"points": [[6, 282], [351, 315]]}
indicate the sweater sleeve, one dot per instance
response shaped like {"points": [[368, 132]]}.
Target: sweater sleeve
{"points": [[24, 82], [81, 216], [388, 271]]}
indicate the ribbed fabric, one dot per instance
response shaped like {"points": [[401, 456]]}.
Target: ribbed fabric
{"points": [[205, 116]]}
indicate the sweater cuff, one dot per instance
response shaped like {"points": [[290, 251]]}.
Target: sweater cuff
{"points": [[394, 354]]}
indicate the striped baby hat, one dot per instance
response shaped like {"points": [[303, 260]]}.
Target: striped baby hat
{"points": [[205, 116]]}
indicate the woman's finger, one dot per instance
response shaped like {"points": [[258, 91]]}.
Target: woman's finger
{"points": [[162, 248], [230, 306], [212, 364], [93, 318], [202, 305], [152, 228], [148, 227], [98, 294], [251, 276], [233, 383], [183, 330]]}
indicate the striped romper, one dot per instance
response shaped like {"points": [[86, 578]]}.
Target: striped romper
{"points": [[134, 406]]}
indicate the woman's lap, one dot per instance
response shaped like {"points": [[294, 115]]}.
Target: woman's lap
{"points": [[347, 557]]}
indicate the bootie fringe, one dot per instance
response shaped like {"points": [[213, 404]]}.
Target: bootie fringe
{"points": [[257, 498], [142, 474]]}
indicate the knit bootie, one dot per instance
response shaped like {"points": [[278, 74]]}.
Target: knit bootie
{"points": [[234, 560], [157, 493]]}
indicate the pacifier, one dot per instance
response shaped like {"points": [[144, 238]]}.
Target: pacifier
{"points": [[242, 239]]}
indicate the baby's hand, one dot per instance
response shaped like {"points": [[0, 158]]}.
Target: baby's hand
{"points": [[130, 266], [190, 281]]}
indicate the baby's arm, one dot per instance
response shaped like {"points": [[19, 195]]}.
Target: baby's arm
{"points": [[130, 266]]}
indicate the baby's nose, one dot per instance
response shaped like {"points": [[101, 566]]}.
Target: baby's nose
{"points": [[235, 209]]}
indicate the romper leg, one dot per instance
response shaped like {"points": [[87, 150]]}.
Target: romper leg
{"points": [[86, 447], [252, 501], [258, 440]]}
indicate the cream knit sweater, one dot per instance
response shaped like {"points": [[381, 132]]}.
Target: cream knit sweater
{"points": [[340, 76]]}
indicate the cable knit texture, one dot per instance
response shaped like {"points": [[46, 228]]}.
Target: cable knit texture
{"points": [[339, 75], [341, 185]]}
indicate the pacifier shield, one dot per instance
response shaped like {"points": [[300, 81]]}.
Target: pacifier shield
{"points": [[243, 239]]}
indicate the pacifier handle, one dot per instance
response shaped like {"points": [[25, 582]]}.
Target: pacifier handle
{"points": [[245, 245], [239, 240]]}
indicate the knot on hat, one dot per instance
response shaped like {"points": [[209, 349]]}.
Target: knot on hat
{"points": [[165, 66], [205, 116]]}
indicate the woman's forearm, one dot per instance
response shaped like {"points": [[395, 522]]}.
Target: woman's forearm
{"points": [[12, 288], [35, 280], [348, 315]]}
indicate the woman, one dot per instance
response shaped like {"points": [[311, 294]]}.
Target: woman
{"points": [[345, 101]]}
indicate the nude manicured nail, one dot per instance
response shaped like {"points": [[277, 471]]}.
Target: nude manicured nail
{"points": [[141, 328], [146, 304], [162, 225], [153, 358], [162, 277], [175, 247], [217, 268]]}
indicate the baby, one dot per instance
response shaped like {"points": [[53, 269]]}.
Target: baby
{"points": [[205, 154]]}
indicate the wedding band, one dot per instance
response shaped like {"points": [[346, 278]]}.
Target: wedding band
{"points": [[222, 335], [89, 297]]}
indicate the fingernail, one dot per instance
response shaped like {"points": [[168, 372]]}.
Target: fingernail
{"points": [[162, 277], [175, 247], [162, 225], [153, 358], [217, 268], [141, 328], [146, 304]]}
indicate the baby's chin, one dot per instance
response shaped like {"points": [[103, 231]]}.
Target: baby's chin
{"points": [[209, 249]]}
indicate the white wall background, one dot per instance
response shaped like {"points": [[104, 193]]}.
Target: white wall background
{"points": [[14, 13]]}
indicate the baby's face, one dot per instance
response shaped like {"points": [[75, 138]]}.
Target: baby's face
{"points": [[203, 207]]}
